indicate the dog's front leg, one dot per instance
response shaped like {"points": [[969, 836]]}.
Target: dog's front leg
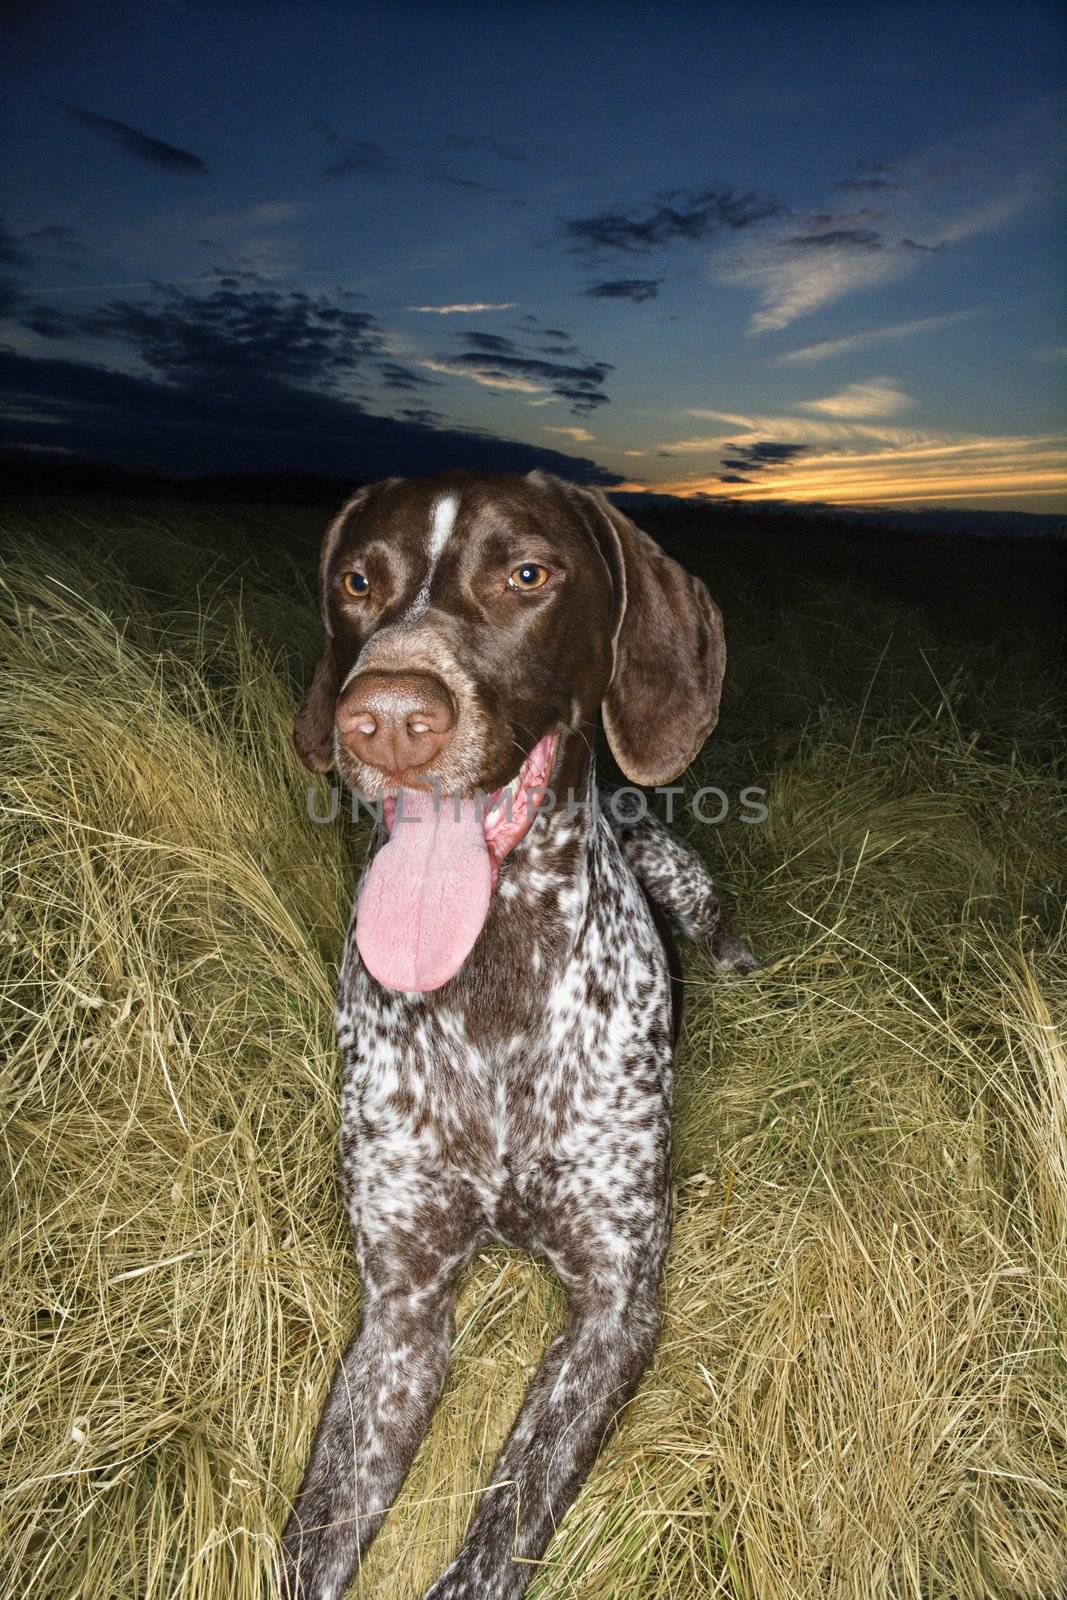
{"points": [[584, 1381], [379, 1407]]}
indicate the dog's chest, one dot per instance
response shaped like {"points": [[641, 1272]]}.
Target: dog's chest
{"points": [[558, 1033]]}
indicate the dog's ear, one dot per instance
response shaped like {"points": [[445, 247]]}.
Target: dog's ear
{"points": [[313, 725], [669, 654]]}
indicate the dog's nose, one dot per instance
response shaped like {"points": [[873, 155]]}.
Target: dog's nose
{"points": [[395, 720]]}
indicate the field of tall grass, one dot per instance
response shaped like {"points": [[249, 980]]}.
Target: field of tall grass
{"points": [[861, 1388]]}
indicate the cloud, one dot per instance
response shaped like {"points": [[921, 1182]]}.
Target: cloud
{"points": [[827, 348], [636, 289], [764, 453], [931, 470], [579, 435], [425, 416], [580, 385], [847, 420], [197, 426], [168, 157], [488, 379], [232, 337], [839, 239], [249, 375], [355, 156], [692, 215], [796, 263], [792, 280], [810, 430], [491, 343], [465, 307], [848, 448], [396, 376], [496, 362], [877, 397]]}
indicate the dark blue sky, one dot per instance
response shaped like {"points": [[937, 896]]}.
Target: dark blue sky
{"points": [[804, 252]]}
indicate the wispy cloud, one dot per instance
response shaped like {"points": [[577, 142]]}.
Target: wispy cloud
{"points": [[837, 238], [877, 397], [822, 429], [496, 362], [757, 457], [931, 471], [636, 289], [581, 386], [425, 416], [793, 278], [677, 214], [395, 375], [488, 380], [849, 448], [168, 157], [353, 157], [465, 307], [493, 344], [826, 349], [797, 263], [579, 435]]}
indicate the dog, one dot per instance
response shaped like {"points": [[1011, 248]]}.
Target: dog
{"points": [[506, 1009]]}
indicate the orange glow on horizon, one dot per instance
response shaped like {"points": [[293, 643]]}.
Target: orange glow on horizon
{"points": [[921, 474]]}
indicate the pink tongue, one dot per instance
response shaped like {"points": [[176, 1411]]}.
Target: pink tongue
{"points": [[426, 896]]}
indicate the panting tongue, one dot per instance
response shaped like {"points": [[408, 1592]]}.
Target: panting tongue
{"points": [[426, 896]]}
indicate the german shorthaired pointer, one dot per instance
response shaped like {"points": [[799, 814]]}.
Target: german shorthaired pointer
{"points": [[505, 1012]]}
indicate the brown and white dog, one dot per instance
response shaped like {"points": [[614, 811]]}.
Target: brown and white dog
{"points": [[505, 1011]]}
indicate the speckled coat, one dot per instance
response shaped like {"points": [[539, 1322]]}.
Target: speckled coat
{"points": [[527, 1100]]}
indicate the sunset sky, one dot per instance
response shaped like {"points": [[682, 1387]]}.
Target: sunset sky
{"points": [[803, 252]]}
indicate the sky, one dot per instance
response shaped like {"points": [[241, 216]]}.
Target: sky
{"points": [[809, 253]]}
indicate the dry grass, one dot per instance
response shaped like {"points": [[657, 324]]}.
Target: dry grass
{"points": [[861, 1389]]}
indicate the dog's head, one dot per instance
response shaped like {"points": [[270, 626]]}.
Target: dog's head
{"points": [[476, 628]]}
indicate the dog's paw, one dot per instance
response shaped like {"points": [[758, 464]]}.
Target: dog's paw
{"points": [[731, 954]]}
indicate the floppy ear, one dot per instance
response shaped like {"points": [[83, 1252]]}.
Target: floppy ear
{"points": [[670, 654], [313, 725]]}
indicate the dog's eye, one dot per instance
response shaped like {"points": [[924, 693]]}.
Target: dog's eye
{"points": [[529, 576], [357, 584]]}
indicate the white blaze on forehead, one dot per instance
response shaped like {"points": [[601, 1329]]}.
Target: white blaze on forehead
{"points": [[442, 521], [444, 517]]}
